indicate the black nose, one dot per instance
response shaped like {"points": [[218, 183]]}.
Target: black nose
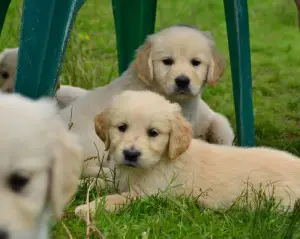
{"points": [[182, 81], [131, 155], [3, 234]]}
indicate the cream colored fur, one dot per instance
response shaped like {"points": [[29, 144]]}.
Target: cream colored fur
{"points": [[149, 71], [66, 94], [39, 168], [171, 158]]}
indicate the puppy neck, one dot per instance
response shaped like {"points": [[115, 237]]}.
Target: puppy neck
{"points": [[161, 176], [188, 108]]}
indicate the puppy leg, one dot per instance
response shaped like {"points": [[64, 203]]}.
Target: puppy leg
{"points": [[220, 131], [95, 167], [112, 203], [96, 172]]}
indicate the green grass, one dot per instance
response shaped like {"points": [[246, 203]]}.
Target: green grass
{"points": [[91, 61]]}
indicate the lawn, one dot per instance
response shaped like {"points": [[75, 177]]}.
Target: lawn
{"points": [[91, 61]]}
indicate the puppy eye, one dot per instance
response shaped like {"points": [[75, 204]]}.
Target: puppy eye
{"points": [[168, 61], [17, 182], [5, 75], [195, 62], [152, 133], [122, 127]]}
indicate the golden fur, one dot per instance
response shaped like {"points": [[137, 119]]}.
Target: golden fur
{"points": [[184, 47], [145, 122], [39, 168]]}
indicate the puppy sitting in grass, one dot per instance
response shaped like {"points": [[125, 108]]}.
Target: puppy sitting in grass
{"points": [[177, 63], [151, 144]]}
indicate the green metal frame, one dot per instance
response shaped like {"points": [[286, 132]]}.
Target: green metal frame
{"points": [[4, 4], [132, 27], [45, 31], [236, 13], [46, 27]]}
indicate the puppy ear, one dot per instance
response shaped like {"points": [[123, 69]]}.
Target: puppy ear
{"points": [[143, 63], [101, 128], [66, 170], [180, 137], [216, 68]]}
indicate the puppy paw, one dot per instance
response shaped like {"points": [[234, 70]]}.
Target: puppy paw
{"points": [[113, 202], [82, 210]]}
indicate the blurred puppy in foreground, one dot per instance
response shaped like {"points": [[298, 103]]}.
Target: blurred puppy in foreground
{"points": [[39, 168], [151, 144]]}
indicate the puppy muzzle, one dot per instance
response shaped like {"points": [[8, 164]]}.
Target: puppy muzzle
{"points": [[131, 157], [183, 87]]}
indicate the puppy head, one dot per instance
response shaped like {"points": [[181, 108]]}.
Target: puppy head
{"points": [[39, 167], [178, 61], [141, 127], [8, 65]]}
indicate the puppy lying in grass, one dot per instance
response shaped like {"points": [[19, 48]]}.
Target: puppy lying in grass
{"points": [[8, 64], [151, 145], [177, 63], [39, 168]]}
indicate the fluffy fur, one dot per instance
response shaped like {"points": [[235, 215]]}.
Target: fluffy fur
{"points": [[151, 144], [39, 168], [178, 53], [66, 94], [8, 64]]}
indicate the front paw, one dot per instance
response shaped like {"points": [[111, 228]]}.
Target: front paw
{"points": [[114, 202], [82, 210]]}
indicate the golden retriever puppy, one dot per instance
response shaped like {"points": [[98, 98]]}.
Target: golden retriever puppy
{"points": [[177, 63], [39, 168], [152, 146], [8, 64]]}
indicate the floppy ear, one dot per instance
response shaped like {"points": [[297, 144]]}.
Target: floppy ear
{"points": [[180, 137], [216, 68], [65, 172], [101, 128], [143, 63]]}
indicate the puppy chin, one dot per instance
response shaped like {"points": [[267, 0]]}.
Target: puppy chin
{"points": [[179, 94], [140, 164], [129, 164]]}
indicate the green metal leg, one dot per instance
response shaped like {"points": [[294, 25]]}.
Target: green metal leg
{"points": [[4, 4], [134, 20], [45, 31], [236, 13]]}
